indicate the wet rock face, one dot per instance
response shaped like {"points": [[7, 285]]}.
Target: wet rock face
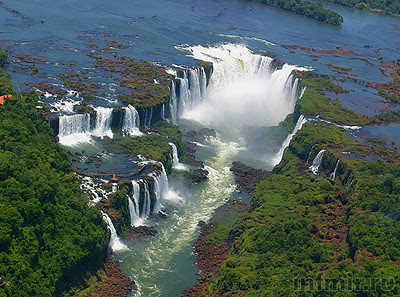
{"points": [[117, 283], [137, 233], [247, 177]]}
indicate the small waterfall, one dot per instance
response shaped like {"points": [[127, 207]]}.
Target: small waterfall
{"points": [[175, 159], [351, 183], [162, 113], [134, 208], [103, 122], [146, 210], [309, 154], [317, 162], [132, 211], [115, 242], [95, 191], [192, 91], [333, 174], [74, 129], [160, 188], [131, 122], [300, 122], [148, 116], [173, 105]]}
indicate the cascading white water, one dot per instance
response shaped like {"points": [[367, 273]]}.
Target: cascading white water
{"points": [[244, 89], [278, 157], [96, 192], [103, 122], [162, 113], [317, 162], [160, 188], [136, 219], [146, 211], [115, 242], [175, 159], [148, 117], [333, 174], [173, 104], [74, 129], [131, 122], [132, 211]]}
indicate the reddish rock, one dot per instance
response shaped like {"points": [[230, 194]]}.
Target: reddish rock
{"points": [[247, 177], [210, 257], [117, 283]]}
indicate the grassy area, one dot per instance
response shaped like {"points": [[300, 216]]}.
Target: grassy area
{"points": [[315, 102], [154, 146]]}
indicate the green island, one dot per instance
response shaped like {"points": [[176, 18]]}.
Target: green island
{"points": [[312, 10]]}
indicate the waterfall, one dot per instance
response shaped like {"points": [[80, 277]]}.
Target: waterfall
{"points": [[103, 122], [192, 90], [148, 117], [244, 89], [173, 105], [333, 174], [115, 242], [160, 188], [175, 159], [162, 113], [286, 143], [146, 210], [132, 211], [317, 162], [77, 128], [134, 207], [74, 129], [309, 154], [131, 122]]}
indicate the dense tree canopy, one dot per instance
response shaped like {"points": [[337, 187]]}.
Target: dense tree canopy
{"points": [[386, 6], [49, 236], [309, 9]]}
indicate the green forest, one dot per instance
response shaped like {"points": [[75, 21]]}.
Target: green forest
{"points": [[309, 9], [386, 6], [49, 237]]}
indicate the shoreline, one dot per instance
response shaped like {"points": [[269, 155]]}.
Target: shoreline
{"points": [[209, 257]]}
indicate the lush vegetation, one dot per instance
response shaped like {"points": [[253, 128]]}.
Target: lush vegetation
{"points": [[153, 146], [386, 6], [3, 58], [49, 236], [315, 102], [148, 84], [309, 9], [391, 90], [308, 235]]}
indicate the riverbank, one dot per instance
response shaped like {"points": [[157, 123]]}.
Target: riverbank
{"points": [[213, 244], [108, 282]]}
